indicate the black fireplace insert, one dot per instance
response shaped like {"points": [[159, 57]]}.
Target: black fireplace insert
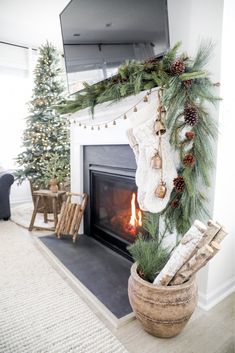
{"points": [[113, 216]]}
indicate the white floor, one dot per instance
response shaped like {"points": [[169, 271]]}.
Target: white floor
{"points": [[206, 332]]}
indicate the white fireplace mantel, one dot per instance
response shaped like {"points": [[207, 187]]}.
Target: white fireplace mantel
{"points": [[113, 135]]}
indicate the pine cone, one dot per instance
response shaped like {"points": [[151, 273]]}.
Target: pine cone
{"points": [[179, 184], [178, 67], [190, 135], [189, 160], [187, 83], [117, 78], [175, 203], [190, 115], [149, 66]]}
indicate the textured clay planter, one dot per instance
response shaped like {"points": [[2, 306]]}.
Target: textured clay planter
{"points": [[162, 310]]}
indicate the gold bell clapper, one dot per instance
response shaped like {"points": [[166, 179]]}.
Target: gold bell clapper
{"points": [[161, 190]]}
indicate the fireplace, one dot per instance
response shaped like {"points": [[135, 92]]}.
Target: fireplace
{"points": [[113, 216]]}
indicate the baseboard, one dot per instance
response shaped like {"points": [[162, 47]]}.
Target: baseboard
{"points": [[208, 301]]}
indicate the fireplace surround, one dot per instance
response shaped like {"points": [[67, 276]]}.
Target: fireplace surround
{"points": [[109, 180]]}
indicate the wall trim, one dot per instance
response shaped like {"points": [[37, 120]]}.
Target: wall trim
{"points": [[208, 301]]}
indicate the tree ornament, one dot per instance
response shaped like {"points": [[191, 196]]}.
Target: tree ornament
{"points": [[178, 67], [156, 161], [124, 116], [190, 135], [114, 122], [161, 190], [175, 203], [135, 109], [179, 184], [189, 160], [190, 115]]}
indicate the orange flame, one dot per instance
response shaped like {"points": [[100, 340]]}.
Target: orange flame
{"points": [[140, 218], [135, 221], [133, 211]]}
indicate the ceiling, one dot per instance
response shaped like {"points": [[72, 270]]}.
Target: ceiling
{"points": [[31, 22]]}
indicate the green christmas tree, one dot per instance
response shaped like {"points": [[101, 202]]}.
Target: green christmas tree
{"points": [[46, 132]]}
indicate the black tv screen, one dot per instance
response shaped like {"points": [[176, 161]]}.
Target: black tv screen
{"points": [[99, 35]]}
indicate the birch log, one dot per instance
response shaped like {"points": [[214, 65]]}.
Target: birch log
{"points": [[199, 259], [214, 235], [181, 254], [211, 231], [220, 235]]}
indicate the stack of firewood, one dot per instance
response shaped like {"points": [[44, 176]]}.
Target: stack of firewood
{"points": [[195, 249], [71, 215]]}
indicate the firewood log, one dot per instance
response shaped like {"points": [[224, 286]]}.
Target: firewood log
{"points": [[211, 231], [65, 217], [74, 220], [181, 254], [199, 259], [60, 219], [67, 220], [220, 235]]}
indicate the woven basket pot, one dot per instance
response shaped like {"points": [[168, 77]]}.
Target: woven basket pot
{"points": [[162, 310]]}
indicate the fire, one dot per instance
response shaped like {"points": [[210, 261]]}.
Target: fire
{"points": [[136, 216], [140, 218]]}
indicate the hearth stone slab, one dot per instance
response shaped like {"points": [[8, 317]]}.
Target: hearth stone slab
{"points": [[104, 272]]}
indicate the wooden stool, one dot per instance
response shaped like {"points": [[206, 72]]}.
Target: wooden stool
{"points": [[44, 195]]}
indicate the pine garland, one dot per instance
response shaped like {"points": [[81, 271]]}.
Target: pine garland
{"points": [[187, 89]]}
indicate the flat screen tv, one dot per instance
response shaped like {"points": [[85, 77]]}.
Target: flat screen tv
{"points": [[99, 35]]}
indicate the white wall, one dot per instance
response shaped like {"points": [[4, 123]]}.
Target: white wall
{"points": [[190, 21], [221, 277]]}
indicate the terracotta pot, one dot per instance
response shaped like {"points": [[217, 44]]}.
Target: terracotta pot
{"points": [[162, 310]]}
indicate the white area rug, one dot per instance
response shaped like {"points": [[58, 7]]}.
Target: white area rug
{"points": [[22, 214], [39, 312]]}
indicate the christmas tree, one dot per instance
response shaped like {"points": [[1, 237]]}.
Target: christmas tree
{"points": [[46, 132]]}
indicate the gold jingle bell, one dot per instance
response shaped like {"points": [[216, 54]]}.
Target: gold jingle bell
{"points": [[159, 127], [160, 191], [156, 161]]}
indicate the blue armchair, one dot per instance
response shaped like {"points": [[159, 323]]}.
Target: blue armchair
{"points": [[6, 180]]}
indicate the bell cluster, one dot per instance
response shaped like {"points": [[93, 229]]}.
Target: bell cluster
{"points": [[113, 122]]}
